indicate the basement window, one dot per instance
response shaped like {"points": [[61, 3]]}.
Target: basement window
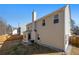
{"points": [[56, 19], [43, 22]]}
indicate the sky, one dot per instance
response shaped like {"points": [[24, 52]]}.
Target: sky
{"points": [[21, 14]]}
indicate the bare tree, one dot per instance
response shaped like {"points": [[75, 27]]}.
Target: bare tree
{"points": [[74, 28], [4, 27]]}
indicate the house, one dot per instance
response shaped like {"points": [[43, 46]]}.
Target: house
{"points": [[52, 30], [16, 31]]}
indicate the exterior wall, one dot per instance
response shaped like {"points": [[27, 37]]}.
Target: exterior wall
{"points": [[51, 34], [67, 26], [54, 35], [25, 36], [29, 27], [14, 32]]}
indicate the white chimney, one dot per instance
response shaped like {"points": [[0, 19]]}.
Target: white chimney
{"points": [[33, 19], [33, 15], [33, 33]]}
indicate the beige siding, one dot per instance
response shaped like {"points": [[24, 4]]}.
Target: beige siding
{"points": [[52, 34], [25, 36], [29, 26]]}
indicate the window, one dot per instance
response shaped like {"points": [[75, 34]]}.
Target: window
{"points": [[43, 23], [56, 19]]}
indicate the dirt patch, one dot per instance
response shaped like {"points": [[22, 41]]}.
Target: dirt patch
{"points": [[20, 49], [75, 50]]}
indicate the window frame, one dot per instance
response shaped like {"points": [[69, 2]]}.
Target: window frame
{"points": [[43, 22], [56, 19]]}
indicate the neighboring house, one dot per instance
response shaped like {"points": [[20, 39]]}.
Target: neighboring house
{"points": [[52, 30], [16, 31]]}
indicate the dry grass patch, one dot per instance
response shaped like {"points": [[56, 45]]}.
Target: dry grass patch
{"points": [[33, 49], [75, 50]]}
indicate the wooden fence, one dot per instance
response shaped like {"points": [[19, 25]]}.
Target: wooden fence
{"points": [[74, 40], [10, 37]]}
